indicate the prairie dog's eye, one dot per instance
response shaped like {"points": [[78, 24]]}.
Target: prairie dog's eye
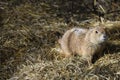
{"points": [[96, 31]]}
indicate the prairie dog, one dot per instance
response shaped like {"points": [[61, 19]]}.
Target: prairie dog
{"points": [[84, 42]]}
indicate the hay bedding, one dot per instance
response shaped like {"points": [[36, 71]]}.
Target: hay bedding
{"points": [[28, 44]]}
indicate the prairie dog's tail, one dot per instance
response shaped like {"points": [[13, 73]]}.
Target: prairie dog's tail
{"points": [[59, 40]]}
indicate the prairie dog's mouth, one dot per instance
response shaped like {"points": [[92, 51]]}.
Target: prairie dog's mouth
{"points": [[103, 38]]}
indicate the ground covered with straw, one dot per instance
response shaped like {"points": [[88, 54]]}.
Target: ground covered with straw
{"points": [[29, 41]]}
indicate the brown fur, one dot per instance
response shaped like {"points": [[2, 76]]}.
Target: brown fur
{"points": [[84, 42]]}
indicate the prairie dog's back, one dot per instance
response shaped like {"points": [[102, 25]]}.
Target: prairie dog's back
{"points": [[69, 40]]}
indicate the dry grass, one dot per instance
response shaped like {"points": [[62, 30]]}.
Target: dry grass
{"points": [[28, 43]]}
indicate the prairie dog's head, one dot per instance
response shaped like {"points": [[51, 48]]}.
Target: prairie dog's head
{"points": [[97, 35]]}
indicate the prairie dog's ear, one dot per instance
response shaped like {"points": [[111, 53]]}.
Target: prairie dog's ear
{"points": [[105, 28], [102, 25]]}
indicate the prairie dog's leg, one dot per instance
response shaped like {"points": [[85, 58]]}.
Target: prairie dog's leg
{"points": [[88, 59], [67, 54], [64, 50], [87, 54]]}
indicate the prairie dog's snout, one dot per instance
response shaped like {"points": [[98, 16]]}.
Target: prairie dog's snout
{"points": [[103, 37]]}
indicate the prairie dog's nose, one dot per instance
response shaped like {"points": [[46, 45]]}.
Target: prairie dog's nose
{"points": [[105, 36]]}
